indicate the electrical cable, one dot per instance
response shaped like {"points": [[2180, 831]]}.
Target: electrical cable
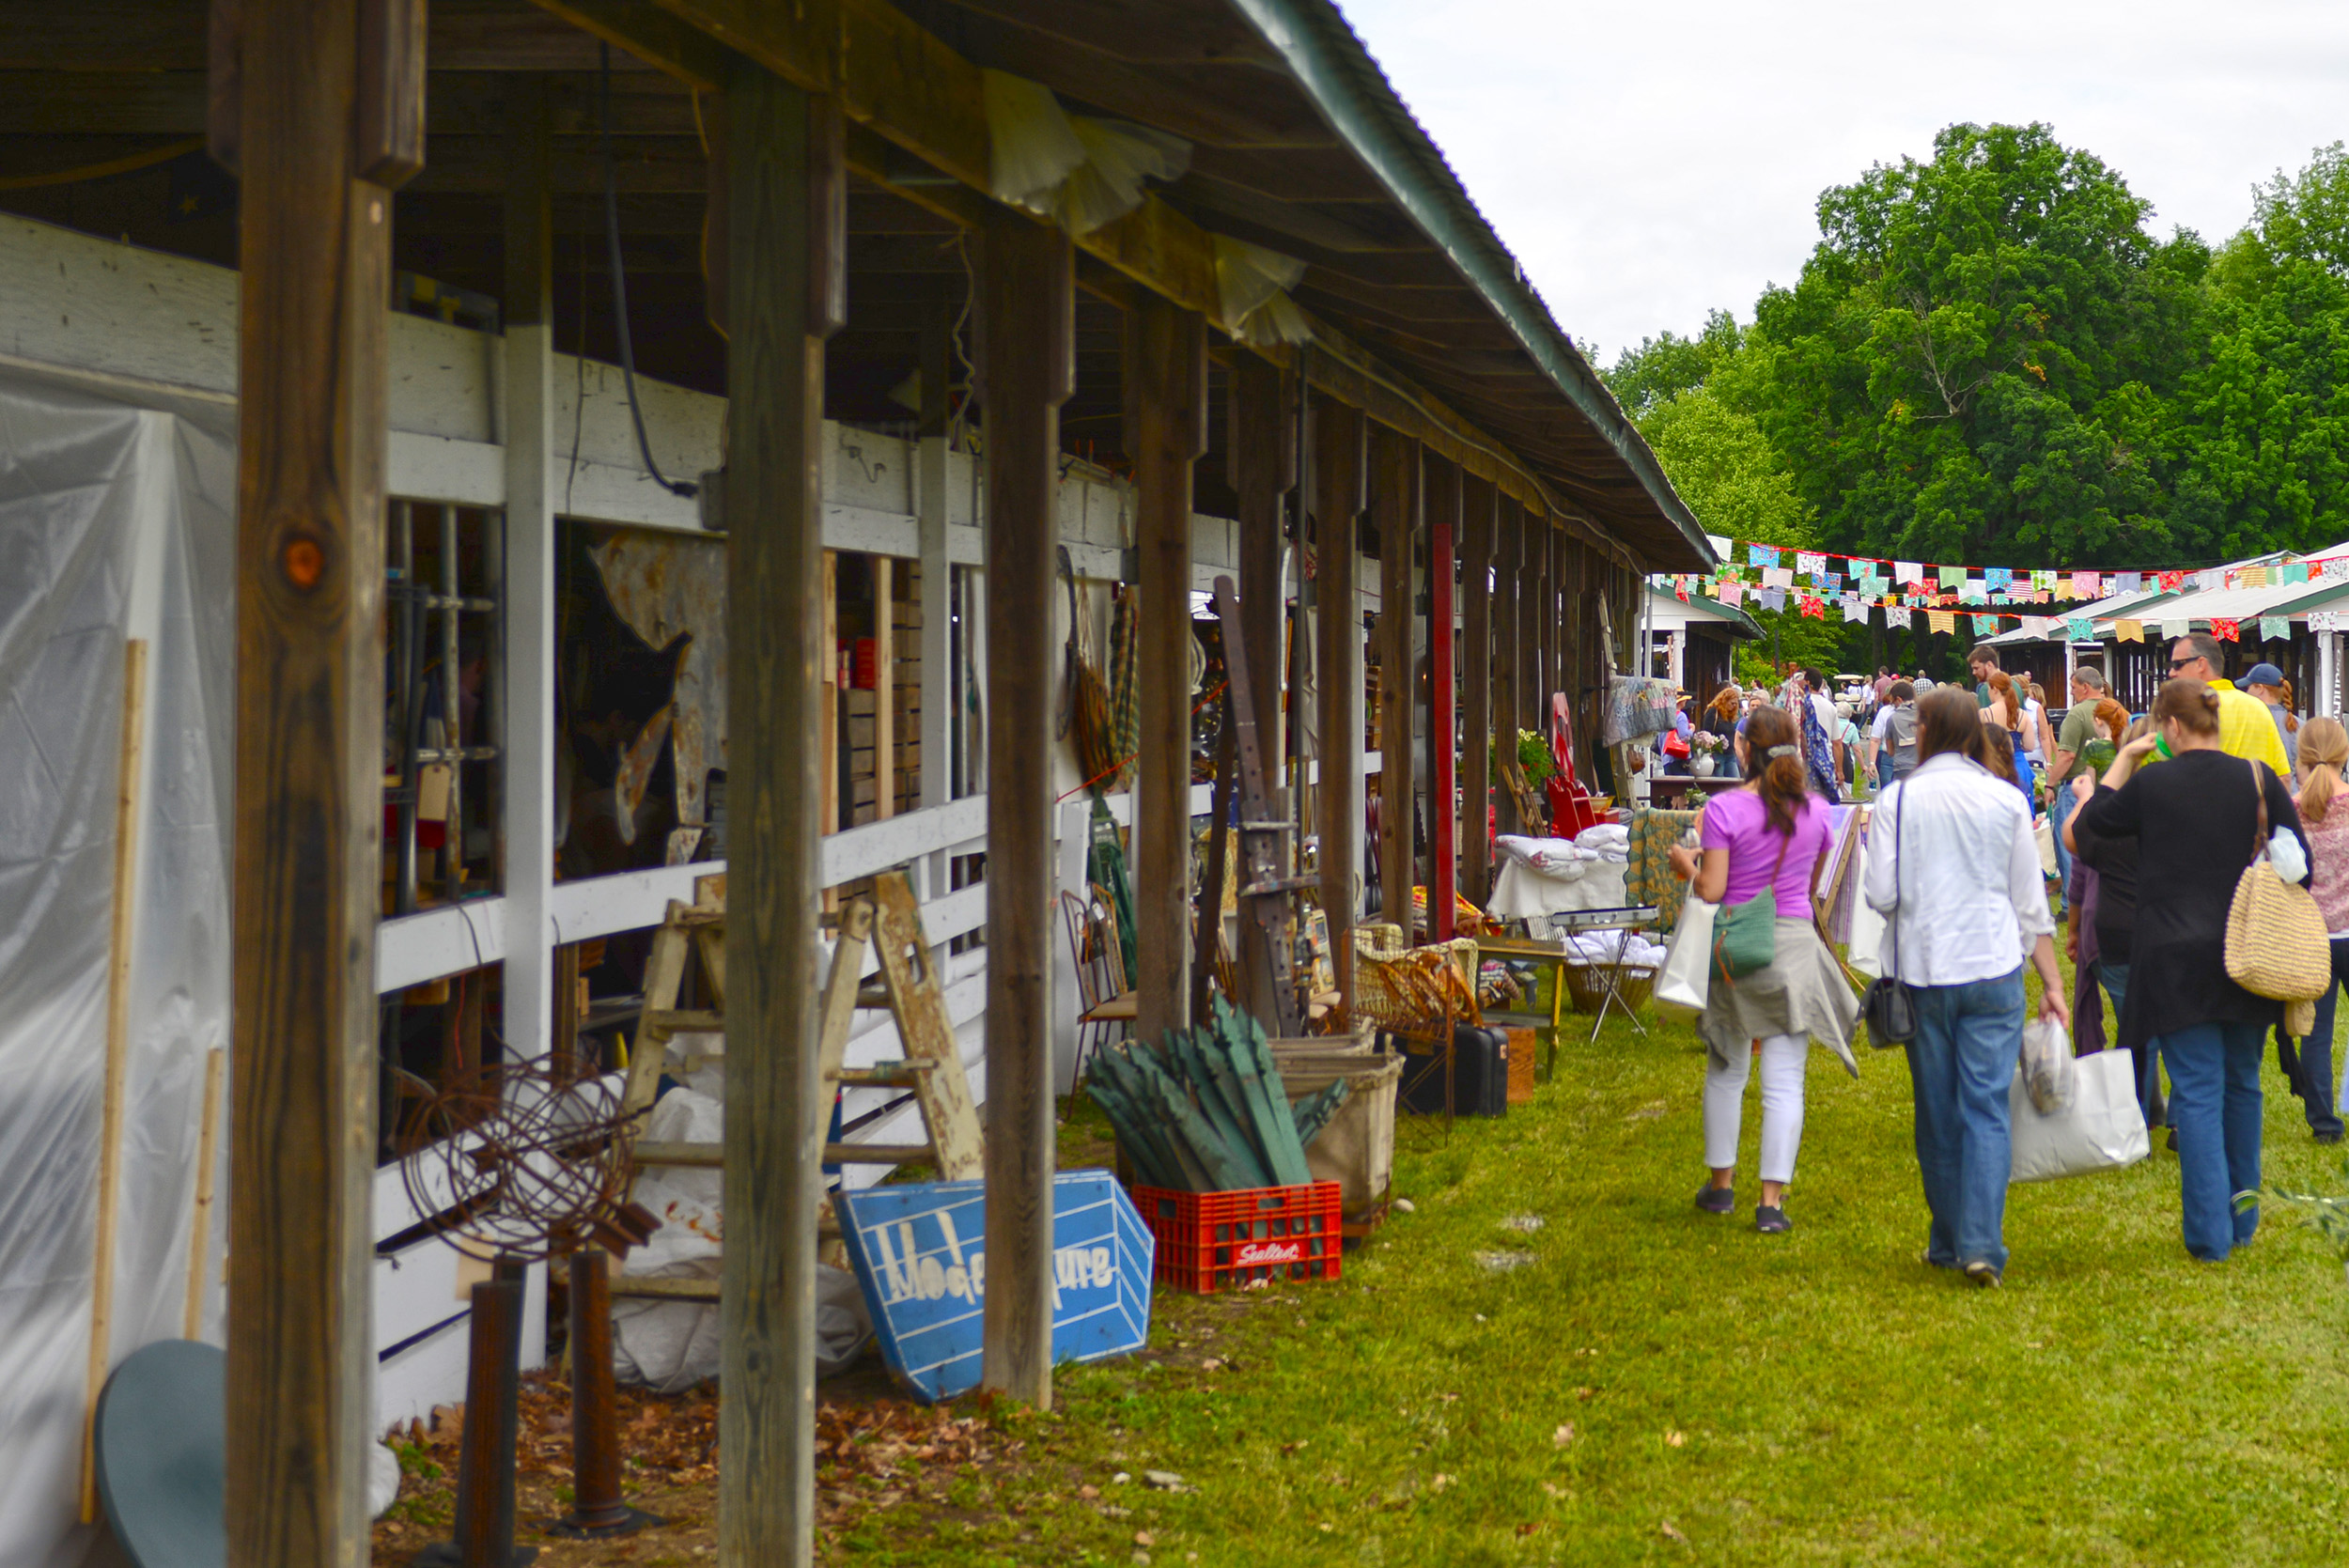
{"points": [[619, 293]]}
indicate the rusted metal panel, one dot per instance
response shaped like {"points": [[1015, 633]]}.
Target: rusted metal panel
{"points": [[663, 584]]}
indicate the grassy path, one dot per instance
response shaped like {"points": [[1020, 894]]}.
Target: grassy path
{"points": [[1659, 1384], [1648, 1384]]}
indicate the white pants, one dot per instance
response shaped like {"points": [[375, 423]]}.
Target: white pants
{"points": [[1784, 1059]]}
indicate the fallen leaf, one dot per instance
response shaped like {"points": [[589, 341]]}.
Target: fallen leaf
{"points": [[1563, 1435], [1088, 1493], [1297, 1446], [1555, 1490], [1673, 1534], [1143, 1538], [1586, 1394], [1675, 1438]]}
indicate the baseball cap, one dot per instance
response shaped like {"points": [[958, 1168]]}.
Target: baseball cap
{"points": [[2263, 674]]}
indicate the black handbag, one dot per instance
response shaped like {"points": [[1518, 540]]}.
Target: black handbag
{"points": [[1888, 1006]]}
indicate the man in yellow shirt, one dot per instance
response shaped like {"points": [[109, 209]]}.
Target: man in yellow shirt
{"points": [[2246, 729]]}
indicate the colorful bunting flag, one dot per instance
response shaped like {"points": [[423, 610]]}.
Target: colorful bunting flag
{"points": [[1985, 626], [2173, 629], [2171, 581], [2274, 628], [2084, 583], [1733, 594], [1810, 561], [2226, 631], [1973, 592], [2324, 620], [2129, 632], [1896, 617], [1953, 576], [2076, 629], [1908, 571], [1780, 578], [1854, 610], [2296, 571], [1773, 599], [1941, 621], [1762, 556], [1812, 609], [2252, 577], [1997, 579], [2044, 580]]}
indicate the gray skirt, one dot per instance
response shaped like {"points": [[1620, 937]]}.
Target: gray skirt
{"points": [[1802, 991]]}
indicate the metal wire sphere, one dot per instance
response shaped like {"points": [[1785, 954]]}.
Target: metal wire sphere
{"points": [[511, 1161]]}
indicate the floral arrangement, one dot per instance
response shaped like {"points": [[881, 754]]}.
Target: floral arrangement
{"points": [[1706, 740]]}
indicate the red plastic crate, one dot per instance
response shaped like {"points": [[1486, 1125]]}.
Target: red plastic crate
{"points": [[1212, 1241]]}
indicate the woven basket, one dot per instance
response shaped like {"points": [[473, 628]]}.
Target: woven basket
{"points": [[1586, 985]]}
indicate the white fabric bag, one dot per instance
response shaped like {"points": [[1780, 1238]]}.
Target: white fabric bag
{"points": [[1682, 984], [2104, 1129], [1866, 947], [2047, 1067]]}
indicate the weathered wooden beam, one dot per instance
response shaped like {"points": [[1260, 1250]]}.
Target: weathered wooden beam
{"points": [[315, 249], [777, 143], [1262, 448], [1027, 366], [1440, 490], [1338, 441], [1477, 500], [1395, 508], [1166, 371]]}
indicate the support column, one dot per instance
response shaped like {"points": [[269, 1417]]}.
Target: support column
{"points": [[1394, 508], [1508, 602], [783, 185], [1476, 695], [1338, 619], [1028, 364], [1166, 392], [1264, 469], [1441, 487], [315, 251], [526, 689]]}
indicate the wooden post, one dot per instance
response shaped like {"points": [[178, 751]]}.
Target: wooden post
{"points": [[1476, 687], [1264, 469], [315, 251], [1394, 505], [1027, 359], [784, 241], [885, 691], [1166, 390], [1338, 620], [207, 1171], [1543, 542], [1509, 598], [1442, 488]]}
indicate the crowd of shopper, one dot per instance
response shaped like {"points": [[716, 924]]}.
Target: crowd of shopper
{"points": [[2149, 822]]}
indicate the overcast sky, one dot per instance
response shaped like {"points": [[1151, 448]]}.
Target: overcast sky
{"points": [[1648, 162]]}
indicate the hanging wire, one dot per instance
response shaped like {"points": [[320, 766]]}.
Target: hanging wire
{"points": [[619, 293]]}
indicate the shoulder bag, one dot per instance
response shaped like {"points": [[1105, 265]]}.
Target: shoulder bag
{"points": [[2277, 946], [1887, 1006], [1745, 935]]}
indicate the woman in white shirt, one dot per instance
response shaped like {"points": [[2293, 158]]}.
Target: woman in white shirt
{"points": [[1952, 868]]}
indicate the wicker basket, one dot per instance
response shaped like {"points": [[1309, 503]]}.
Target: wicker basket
{"points": [[1586, 985]]}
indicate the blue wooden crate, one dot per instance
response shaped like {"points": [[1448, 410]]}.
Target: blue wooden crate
{"points": [[919, 1255]]}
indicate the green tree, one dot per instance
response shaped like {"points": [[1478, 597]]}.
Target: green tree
{"points": [[1961, 370], [1663, 366]]}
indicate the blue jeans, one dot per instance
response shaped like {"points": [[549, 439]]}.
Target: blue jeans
{"points": [[2058, 814], [2149, 1101], [2214, 1107], [1962, 1064], [2317, 1053]]}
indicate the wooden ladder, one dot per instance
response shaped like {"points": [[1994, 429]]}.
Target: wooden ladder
{"points": [[908, 988]]}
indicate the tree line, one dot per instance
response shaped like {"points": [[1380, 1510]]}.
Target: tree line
{"points": [[1989, 359]]}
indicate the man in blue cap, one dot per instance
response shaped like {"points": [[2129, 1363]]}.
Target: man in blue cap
{"points": [[2266, 683]]}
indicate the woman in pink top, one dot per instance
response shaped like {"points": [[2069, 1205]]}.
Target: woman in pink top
{"points": [[1771, 832], [2324, 748]]}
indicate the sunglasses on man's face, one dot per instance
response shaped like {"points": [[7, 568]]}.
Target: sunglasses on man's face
{"points": [[2177, 664]]}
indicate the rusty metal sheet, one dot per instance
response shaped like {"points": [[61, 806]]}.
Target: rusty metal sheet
{"points": [[662, 584]]}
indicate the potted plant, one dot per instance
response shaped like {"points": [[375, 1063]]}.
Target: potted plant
{"points": [[1705, 749]]}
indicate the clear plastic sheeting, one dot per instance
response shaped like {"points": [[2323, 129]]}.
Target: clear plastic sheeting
{"points": [[115, 522], [1251, 286]]}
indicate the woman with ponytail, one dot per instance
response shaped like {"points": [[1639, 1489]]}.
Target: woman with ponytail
{"points": [[2324, 751], [2196, 821], [1771, 832]]}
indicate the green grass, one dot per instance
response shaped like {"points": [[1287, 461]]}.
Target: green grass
{"points": [[1821, 1397]]}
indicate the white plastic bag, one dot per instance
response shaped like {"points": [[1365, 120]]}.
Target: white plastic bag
{"points": [[2046, 1069], [2283, 853], [1687, 976], [2104, 1129]]}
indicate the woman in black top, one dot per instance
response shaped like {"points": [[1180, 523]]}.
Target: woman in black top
{"points": [[2113, 861], [2195, 818]]}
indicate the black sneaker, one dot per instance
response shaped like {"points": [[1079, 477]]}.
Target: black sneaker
{"points": [[1771, 1222], [1980, 1273], [1717, 1200]]}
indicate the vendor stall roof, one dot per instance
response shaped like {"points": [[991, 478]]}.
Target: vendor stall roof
{"points": [[1668, 613]]}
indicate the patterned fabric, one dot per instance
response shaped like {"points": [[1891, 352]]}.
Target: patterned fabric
{"points": [[1636, 707], [1648, 877], [1818, 754]]}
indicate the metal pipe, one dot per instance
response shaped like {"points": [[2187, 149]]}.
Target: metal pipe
{"points": [[596, 1507], [452, 730]]}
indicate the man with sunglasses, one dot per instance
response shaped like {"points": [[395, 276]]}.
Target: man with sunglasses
{"points": [[2245, 729]]}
